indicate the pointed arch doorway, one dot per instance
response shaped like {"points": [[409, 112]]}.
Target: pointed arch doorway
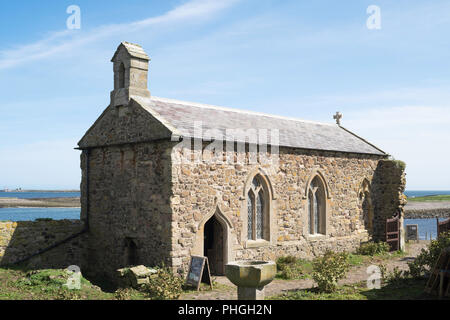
{"points": [[213, 245], [214, 240]]}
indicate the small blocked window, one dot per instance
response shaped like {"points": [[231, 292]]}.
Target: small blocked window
{"points": [[257, 210], [131, 252], [316, 206], [365, 202]]}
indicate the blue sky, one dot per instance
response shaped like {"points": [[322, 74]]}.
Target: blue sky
{"points": [[303, 59]]}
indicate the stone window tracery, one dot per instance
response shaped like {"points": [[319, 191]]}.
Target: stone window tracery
{"points": [[316, 206], [257, 210]]}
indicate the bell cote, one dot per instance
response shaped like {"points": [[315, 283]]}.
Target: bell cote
{"points": [[130, 63]]}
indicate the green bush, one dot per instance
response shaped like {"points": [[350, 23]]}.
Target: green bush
{"points": [[164, 285], [372, 248], [290, 267], [396, 277], [427, 258], [281, 261], [400, 164], [330, 268]]}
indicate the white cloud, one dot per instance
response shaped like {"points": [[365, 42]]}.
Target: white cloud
{"points": [[62, 41]]}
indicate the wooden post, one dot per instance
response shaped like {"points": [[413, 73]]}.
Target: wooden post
{"points": [[441, 284], [437, 227]]}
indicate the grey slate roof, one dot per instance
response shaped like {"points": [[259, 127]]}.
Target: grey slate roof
{"points": [[180, 116]]}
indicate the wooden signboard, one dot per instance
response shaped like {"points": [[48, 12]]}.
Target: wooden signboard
{"points": [[412, 232], [198, 272]]}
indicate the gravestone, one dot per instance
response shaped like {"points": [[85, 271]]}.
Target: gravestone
{"points": [[412, 232]]}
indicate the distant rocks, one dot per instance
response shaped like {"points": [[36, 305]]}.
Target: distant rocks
{"points": [[424, 210], [66, 202]]}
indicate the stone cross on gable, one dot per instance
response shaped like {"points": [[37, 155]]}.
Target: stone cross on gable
{"points": [[338, 116]]}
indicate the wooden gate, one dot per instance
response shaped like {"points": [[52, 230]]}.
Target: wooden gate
{"points": [[440, 275], [393, 233], [443, 226]]}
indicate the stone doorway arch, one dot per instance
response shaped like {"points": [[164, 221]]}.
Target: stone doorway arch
{"points": [[213, 245], [214, 240]]}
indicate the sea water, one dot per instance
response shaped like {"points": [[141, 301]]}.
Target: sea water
{"points": [[39, 194], [31, 214]]}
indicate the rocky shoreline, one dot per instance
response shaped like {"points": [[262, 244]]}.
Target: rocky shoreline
{"points": [[66, 202], [424, 210]]}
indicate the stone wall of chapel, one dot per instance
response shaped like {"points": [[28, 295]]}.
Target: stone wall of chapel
{"points": [[199, 188], [129, 193]]}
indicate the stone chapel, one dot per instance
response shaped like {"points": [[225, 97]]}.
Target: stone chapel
{"points": [[164, 179]]}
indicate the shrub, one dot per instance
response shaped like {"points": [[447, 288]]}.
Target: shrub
{"points": [[330, 268], [396, 277], [122, 294], [64, 294], [164, 285], [427, 258], [383, 270], [290, 267], [282, 261], [372, 248]]}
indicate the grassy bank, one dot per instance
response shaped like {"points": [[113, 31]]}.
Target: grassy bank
{"points": [[51, 284], [17, 284], [430, 198]]}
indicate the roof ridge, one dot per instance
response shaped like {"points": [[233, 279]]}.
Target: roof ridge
{"points": [[209, 106]]}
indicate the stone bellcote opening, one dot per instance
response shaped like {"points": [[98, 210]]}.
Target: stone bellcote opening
{"points": [[121, 76], [130, 65]]}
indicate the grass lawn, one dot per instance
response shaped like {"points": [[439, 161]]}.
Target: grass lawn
{"points": [[407, 289], [206, 287], [430, 198], [48, 284], [18, 284]]}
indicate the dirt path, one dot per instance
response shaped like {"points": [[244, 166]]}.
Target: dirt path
{"points": [[227, 291]]}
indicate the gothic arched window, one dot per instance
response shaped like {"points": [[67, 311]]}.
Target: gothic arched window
{"points": [[316, 206], [257, 210]]}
